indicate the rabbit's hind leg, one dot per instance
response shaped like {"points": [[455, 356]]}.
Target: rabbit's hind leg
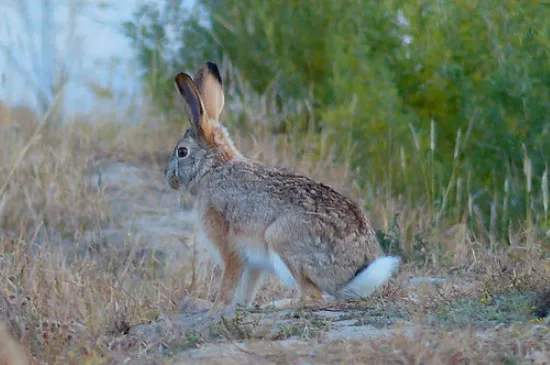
{"points": [[253, 283], [282, 237], [250, 283]]}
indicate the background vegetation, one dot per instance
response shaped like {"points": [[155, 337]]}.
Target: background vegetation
{"points": [[439, 102]]}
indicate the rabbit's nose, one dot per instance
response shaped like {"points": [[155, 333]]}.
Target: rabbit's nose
{"points": [[173, 181]]}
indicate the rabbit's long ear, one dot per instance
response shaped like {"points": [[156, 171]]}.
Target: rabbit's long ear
{"points": [[191, 95], [209, 82]]}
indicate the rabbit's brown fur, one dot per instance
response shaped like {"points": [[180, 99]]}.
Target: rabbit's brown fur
{"points": [[261, 218]]}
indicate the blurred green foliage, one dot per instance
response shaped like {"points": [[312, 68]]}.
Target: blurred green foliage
{"points": [[399, 83]]}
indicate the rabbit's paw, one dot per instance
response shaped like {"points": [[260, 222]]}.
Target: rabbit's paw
{"points": [[219, 310]]}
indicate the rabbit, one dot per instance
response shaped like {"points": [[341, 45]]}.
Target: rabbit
{"points": [[266, 220]]}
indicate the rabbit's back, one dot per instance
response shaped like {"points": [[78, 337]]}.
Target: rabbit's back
{"points": [[246, 189]]}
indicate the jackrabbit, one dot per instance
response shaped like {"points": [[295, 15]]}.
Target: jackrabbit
{"points": [[262, 219]]}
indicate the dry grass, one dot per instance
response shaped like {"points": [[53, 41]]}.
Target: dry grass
{"points": [[74, 301], [66, 307]]}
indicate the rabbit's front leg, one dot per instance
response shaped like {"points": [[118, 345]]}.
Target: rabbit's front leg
{"points": [[252, 283], [232, 274], [248, 286]]}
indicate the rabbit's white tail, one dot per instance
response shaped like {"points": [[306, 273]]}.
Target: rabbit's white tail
{"points": [[371, 277]]}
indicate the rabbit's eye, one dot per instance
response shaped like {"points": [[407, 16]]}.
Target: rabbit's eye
{"points": [[182, 152]]}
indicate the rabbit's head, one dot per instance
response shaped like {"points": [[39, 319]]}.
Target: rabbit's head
{"points": [[206, 143]]}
